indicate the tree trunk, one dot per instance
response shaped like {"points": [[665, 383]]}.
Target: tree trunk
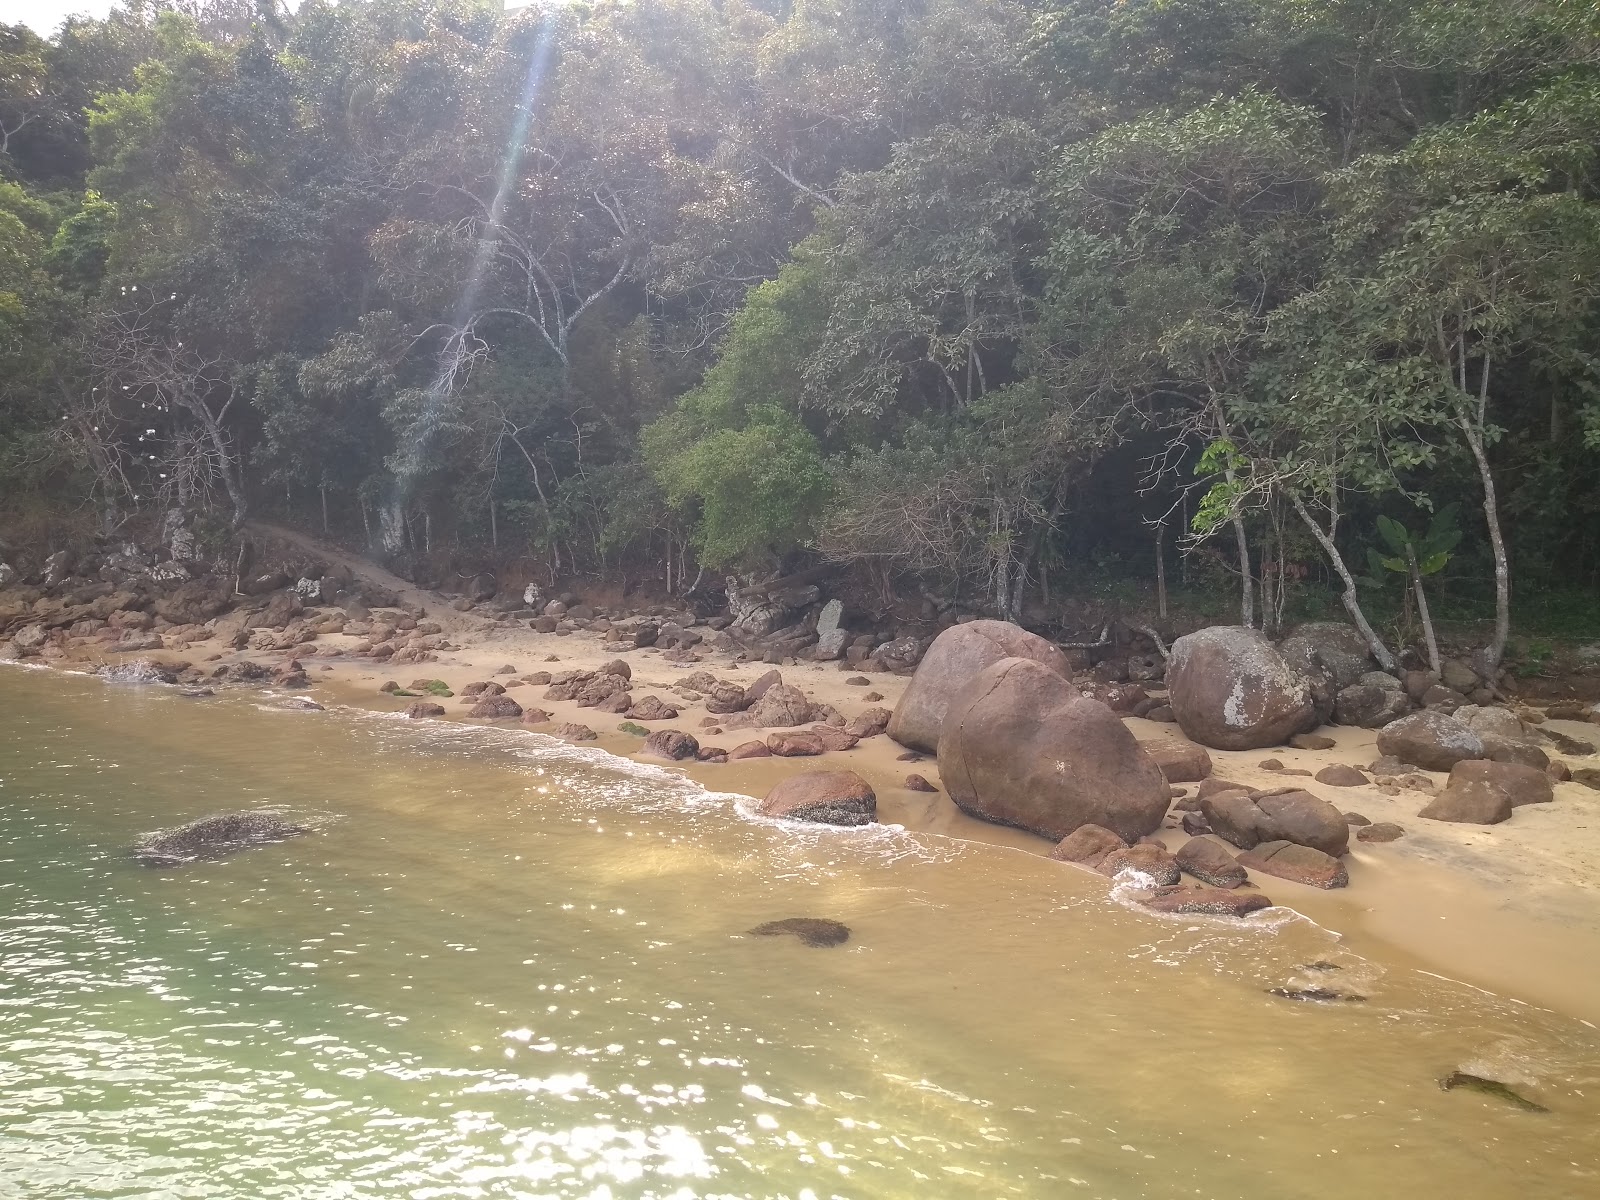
{"points": [[1161, 571], [392, 526], [1502, 568], [1247, 596], [323, 489], [1422, 611], [1352, 602]]}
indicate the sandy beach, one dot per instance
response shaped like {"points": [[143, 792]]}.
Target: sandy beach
{"points": [[1511, 908]]}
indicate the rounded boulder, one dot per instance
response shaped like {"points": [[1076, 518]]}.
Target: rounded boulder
{"points": [[956, 657], [823, 797], [1021, 747], [1230, 689]]}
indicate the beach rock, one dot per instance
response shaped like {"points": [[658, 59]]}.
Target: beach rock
{"points": [[535, 716], [824, 798], [651, 708], [954, 659], [672, 744], [869, 723], [1312, 741], [756, 749], [30, 638], [779, 706], [901, 656], [1356, 820], [1430, 740], [1214, 785], [496, 707], [1588, 776], [1020, 746], [1523, 752], [481, 688], [1371, 705], [1087, 845], [1381, 831], [1340, 775], [1209, 862], [1153, 861], [723, 698], [916, 783], [795, 745], [1188, 899], [1288, 816], [1297, 863], [1230, 689], [214, 838], [194, 602], [834, 739], [1335, 648], [617, 667], [1180, 762], [809, 931], [1484, 793], [1455, 674], [424, 708]]}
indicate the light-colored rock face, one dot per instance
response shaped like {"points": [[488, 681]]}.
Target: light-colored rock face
{"points": [[1430, 740], [1333, 647], [955, 658], [1230, 689]]}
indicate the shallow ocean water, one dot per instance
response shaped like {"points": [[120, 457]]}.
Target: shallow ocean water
{"points": [[505, 967]]}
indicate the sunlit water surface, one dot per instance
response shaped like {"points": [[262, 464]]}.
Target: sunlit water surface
{"points": [[502, 967]]}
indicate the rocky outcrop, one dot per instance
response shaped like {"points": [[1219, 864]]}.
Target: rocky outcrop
{"points": [[951, 663], [1481, 792], [214, 838], [497, 708], [1371, 702], [1021, 747], [1230, 689], [1431, 740], [1247, 820], [823, 797], [193, 603]]}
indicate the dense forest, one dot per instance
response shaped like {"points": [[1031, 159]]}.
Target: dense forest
{"points": [[1290, 302]]}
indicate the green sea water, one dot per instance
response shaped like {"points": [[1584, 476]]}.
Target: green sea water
{"points": [[504, 967]]}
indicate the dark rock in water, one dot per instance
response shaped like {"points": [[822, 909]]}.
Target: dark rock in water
{"points": [[214, 837], [813, 931], [1321, 965], [1320, 995], [1489, 1087]]}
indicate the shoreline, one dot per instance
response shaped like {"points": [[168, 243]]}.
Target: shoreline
{"points": [[1513, 909]]}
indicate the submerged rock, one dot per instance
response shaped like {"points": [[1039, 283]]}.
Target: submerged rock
{"points": [[1489, 1087], [214, 838], [1206, 901], [812, 931], [1319, 995]]}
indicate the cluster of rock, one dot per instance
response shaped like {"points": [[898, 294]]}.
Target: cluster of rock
{"points": [[127, 602]]}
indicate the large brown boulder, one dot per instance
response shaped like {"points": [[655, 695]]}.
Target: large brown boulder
{"points": [[1430, 740], [1332, 647], [1087, 844], [1021, 747], [824, 797], [1230, 689], [1481, 792], [1144, 858], [1293, 815], [955, 658]]}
